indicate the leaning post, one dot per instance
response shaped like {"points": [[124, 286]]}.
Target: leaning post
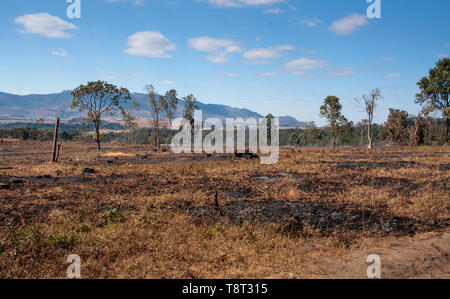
{"points": [[55, 140]]}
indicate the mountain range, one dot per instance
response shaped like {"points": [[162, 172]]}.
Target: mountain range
{"points": [[48, 106]]}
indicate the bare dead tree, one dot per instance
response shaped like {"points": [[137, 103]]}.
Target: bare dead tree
{"points": [[370, 103], [155, 109]]}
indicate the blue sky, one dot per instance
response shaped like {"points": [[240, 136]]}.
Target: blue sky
{"points": [[271, 56]]}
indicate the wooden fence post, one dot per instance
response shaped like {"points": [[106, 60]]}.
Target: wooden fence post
{"points": [[55, 140]]}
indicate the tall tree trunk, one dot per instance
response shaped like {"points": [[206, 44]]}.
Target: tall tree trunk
{"points": [[369, 135], [97, 134], [447, 137], [158, 139], [334, 141]]}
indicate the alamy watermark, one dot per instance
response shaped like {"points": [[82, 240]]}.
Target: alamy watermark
{"points": [[74, 270], [374, 10], [252, 135], [74, 9], [374, 269]]}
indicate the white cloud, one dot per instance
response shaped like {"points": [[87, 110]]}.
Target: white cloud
{"points": [[60, 52], [231, 75], [149, 44], [135, 2], [396, 75], [307, 51], [274, 11], [44, 24], [218, 47], [242, 3], [299, 66], [442, 55], [166, 82], [349, 24], [311, 23], [345, 72], [268, 74], [263, 55]]}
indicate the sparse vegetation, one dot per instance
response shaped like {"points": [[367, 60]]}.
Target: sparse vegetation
{"points": [[153, 215]]}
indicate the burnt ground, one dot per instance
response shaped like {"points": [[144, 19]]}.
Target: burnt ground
{"points": [[386, 193]]}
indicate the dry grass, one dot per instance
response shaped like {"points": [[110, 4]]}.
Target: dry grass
{"points": [[152, 215]]}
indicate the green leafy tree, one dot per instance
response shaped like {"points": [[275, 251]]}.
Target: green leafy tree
{"points": [[190, 105], [397, 124], [337, 123], [170, 103], [98, 99], [313, 134], [435, 90]]}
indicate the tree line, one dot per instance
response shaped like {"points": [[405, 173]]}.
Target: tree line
{"points": [[433, 97], [99, 99]]}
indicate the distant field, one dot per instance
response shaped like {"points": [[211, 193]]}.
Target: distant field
{"points": [[129, 212]]}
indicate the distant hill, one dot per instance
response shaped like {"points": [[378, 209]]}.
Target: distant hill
{"points": [[48, 106], [289, 121]]}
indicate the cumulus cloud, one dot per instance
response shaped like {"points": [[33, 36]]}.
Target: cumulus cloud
{"points": [[349, 24], [396, 75], [299, 66], [135, 2], [311, 23], [149, 44], [219, 48], [166, 82], [242, 3], [342, 73], [274, 11], [264, 55], [268, 74], [231, 75], [60, 52], [45, 25]]}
